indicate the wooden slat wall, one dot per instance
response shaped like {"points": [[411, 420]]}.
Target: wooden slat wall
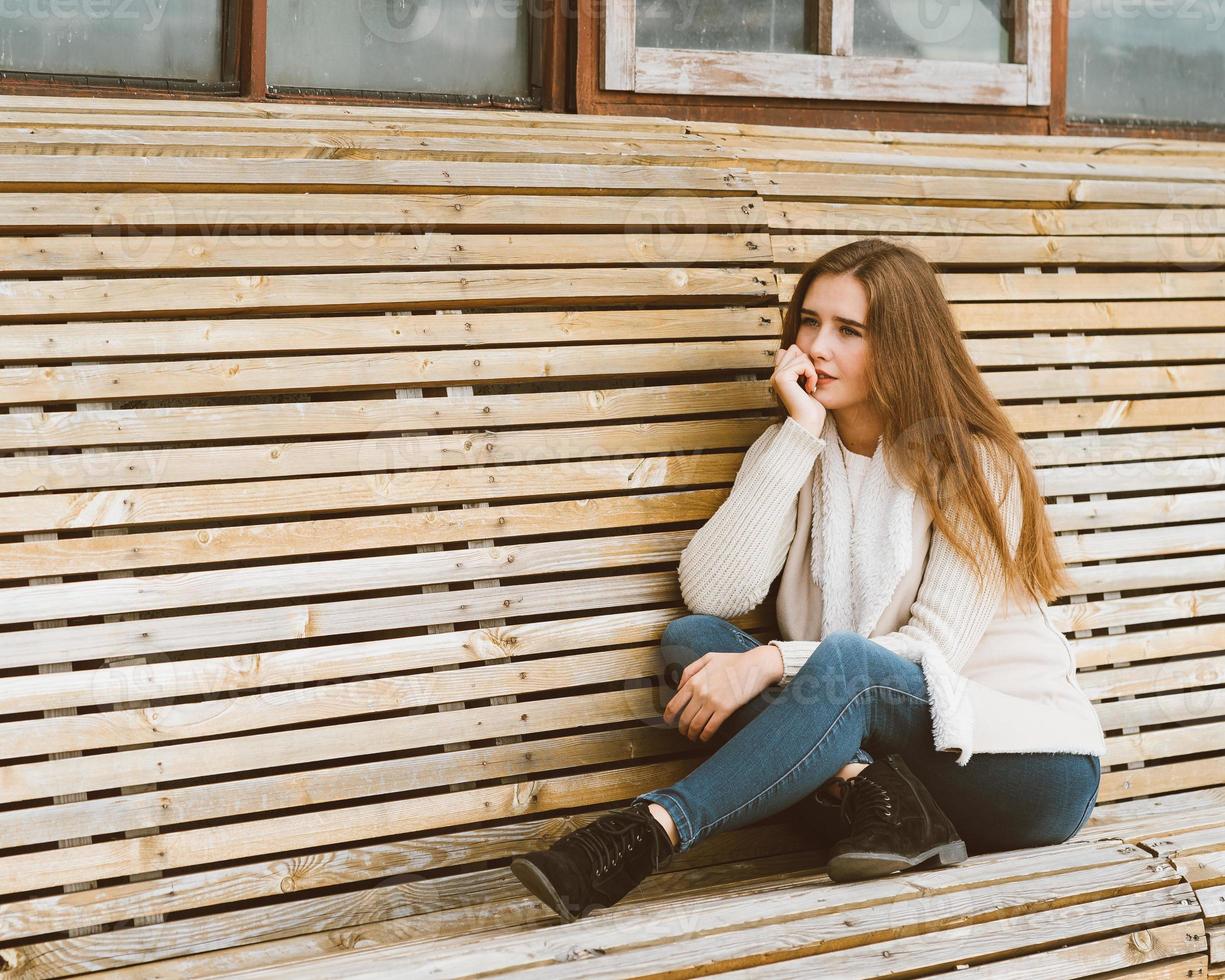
{"points": [[347, 455]]}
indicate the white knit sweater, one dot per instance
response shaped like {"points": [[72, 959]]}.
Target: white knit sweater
{"points": [[1000, 676]]}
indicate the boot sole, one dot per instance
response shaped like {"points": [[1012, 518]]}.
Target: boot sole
{"points": [[860, 865], [536, 882]]}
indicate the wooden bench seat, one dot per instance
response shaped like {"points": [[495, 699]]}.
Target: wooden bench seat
{"points": [[348, 454]]}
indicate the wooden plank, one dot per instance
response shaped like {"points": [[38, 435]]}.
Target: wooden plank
{"points": [[22, 172], [435, 905], [320, 619], [767, 936], [299, 664], [50, 342], [619, 49], [659, 894], [378, 484], [237, 213], [830, 216], [382, 370], [1162, 778], [1169, 951], [374, 418], [184, 589], [1018, 289], [478, 288], [388, 369], [962, 248], [527, 148], [778, 74], [1154, 678], [1151, 645], [277, 252]]}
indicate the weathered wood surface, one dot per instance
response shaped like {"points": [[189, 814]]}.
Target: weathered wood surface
{"points": [[347, 454]]}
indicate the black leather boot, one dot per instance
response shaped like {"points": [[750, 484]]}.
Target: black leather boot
{"points": [[894, 825], [597, 865]]}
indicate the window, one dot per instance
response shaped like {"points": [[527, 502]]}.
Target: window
{"points": [[982, 52], [1146, 61], [722, 25], [174, 43], [402, 46]]}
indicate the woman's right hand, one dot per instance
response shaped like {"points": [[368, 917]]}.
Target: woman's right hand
{"points": [[794, 382]]}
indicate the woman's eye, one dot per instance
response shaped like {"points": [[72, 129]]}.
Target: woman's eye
{"points": [[813, 323]]}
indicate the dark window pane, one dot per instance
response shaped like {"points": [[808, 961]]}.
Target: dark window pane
{"points": [[173, 39], [722, 25], [1156, 61], [411, 46], [942, 30]]}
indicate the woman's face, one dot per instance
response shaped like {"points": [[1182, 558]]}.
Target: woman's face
{"points": [[833, 334]]}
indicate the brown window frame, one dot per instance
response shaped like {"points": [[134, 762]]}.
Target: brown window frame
{"points": [[244, 66], [233, 18]]}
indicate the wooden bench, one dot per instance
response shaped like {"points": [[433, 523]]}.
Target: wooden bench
{"points": [[348, 458]]}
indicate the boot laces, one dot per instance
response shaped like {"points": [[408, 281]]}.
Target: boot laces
{"points": [[866, 803], [626, 831]]}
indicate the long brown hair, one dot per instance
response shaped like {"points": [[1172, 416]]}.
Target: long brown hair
{"points": [[937, 411]]}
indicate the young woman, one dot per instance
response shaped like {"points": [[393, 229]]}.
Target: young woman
{"points": [[919, 686]]}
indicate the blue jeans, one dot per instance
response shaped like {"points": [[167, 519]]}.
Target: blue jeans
{"points": [[854, 695]]}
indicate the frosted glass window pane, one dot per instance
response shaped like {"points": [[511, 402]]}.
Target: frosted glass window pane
{"points": [[942, 30], [722, 25], [178, 39], [1156, 61], [477, 47]]}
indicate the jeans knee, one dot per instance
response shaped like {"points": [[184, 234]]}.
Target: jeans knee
{"points": [[680, 645], [679, 632], [845, 651]]}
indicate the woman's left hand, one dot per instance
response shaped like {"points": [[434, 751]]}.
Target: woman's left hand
{"points": [[711, 688]]}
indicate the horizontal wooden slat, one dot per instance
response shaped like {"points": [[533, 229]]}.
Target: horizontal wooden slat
{"points": [[526, 147], [241, 214], [753, 938], [313, 620], [30, 173], [390, 369], [1179, 247], [329, 250], [875, 219], [166, 678], [47, 385], [1019, 288], [1143, 645], [374, 418], [388, 476], [375, 291], [1157, 778], [183, 589], [381, 868], [228, 336]]}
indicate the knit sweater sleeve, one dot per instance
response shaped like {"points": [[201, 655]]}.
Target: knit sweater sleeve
{"points": [[731, 560], [954, 605]]}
